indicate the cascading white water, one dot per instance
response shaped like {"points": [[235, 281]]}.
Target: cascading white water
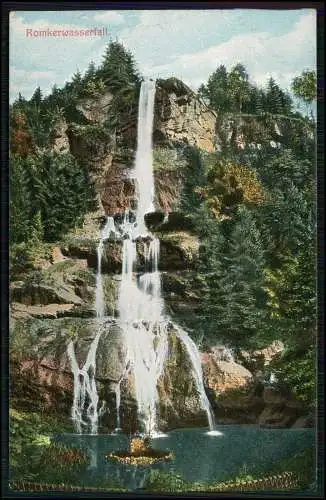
{"points": [[197, 372], [106, 232], [140, 305], [143, 171], [85, 391], [99, 295]]}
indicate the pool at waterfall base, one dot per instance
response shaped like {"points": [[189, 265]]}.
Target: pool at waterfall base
{"points": [[197, 455]]}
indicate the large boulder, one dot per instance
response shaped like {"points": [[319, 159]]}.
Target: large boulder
{"points": [[281, 408], [111, 355], [223, 375]]}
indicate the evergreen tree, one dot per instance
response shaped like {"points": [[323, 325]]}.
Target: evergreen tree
{"points": [[194, 179], [36, 234], [118, 69], [273, 97], [20, 201], [77, 82], [37, 97], [235, 300], [216, 92], [90, 73]]}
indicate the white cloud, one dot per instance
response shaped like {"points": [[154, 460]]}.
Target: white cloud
{"points": [[26, 82], [263, 55], [160, 34], [110, 16], [60, 55], [183, 43]]}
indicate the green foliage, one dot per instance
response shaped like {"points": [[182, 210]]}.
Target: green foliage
{"points": [[194, 178], [63, 457], [227, 185], [297, 370], [231, 92], [61, 194], [238, 87], [301, 466], [305, 86], [232, 263], [118, 69], [215, 92], [165, 482], [29, 437]]}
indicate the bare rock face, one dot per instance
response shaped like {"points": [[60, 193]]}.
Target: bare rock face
{"points": [[111, 355], [60, 140], [223, 375], [281, 409], [260, 358], [95, 109], [179, 404], [117, 190], [41, 294], [181, 117]]}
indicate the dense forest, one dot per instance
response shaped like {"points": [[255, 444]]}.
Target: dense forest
{"points": [[253, 210]]}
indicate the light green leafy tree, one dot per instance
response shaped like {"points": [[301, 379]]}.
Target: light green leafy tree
{"points": [[304, 87]]}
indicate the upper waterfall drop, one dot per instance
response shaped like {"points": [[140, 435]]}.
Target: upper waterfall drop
{"points": [[143, 171]]}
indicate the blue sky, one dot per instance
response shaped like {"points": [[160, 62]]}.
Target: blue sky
{"points": [[188, 44]]}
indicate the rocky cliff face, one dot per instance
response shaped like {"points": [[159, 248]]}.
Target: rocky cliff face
{"points": [[180, 117], [180, 120], [55, 305]]}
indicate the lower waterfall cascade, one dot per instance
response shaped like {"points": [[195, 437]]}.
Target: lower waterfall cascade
{"points": [[140, 307]]}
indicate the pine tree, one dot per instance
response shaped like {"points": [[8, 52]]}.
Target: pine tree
{"points": [[118, 68], [240, 298], [36, 97], [273, 97], [90, 73], [20, 201], [36, 230]]}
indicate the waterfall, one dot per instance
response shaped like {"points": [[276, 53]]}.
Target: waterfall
{"points": [[85, 392], [106, 232], [99, 294], [194, 356], [143, 171], [140, 303]]}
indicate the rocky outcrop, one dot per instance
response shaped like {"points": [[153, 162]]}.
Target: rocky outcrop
{"points": [[42, 378], [181, 118], [178, 250], [41, 294], [60, 140], [223, 375], [20, 311], [281, 409], [256, 361], [252, 132], [95, 109]]}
